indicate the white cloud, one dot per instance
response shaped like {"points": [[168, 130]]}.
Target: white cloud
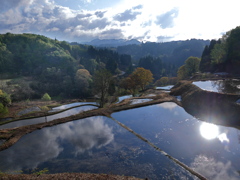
{"points": [[147, 20]]}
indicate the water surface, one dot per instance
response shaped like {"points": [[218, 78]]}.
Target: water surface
{"points": [[66, 106], [212, 151], [222, 86], [121, 98], [165, 87], [91, 145], [47, 118]]}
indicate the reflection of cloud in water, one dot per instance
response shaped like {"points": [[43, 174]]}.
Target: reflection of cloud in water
{"points": [[43, 145], [168, 105], [223, 137], [212, 169]]}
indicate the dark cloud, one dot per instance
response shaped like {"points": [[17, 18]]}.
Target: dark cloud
{"points": [[163, 38], [82, 23], [112, 34], [83, 15], [147, 23], [123, 24], [98, 23], [100, 14], [9, 4], [138, 7], [167, 20], [127, 15]]}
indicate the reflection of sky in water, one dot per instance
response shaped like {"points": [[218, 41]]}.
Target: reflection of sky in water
{"points": [[48, 118], [92, 145], [178, 133], [124, 97], [223, 86], [206, 85], [165, 87], [59, 108], [179, 98]]}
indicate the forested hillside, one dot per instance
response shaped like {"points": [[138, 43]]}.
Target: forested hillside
{"points": [[53, 66], [175, 52]]}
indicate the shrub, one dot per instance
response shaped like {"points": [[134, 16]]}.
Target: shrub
{"points": [[3, 110], [46, 97], [4, 98]]}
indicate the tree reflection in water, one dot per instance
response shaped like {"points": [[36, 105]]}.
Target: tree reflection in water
{"points": [[227, 86]]}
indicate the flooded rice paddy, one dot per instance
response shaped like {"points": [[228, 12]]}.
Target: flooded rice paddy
{"points": [[100, 145], [92, 145], [47, 118]]}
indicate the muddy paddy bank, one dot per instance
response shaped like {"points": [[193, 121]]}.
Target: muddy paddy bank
{"points": [[66, 176]]}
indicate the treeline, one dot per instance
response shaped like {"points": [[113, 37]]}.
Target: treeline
{"points": [[222, 55], [158, 67], [174, 52]]}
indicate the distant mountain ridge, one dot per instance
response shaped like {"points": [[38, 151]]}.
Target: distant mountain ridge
{"points": [[112, 42]]}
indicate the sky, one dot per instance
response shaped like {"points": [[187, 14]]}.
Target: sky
{"points": [[144, 20]]}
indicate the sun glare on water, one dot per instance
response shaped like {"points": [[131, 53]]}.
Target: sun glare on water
{"points": [[209, 131]]}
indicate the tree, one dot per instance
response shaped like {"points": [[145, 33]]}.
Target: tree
{"points": [[233, 50], [205, 63], [155, 65], [181, 74], [218, 53], [129, 84], [162, 81], [82, 81], [111, 65], [192, 65], [142, 77], [101, 83]]}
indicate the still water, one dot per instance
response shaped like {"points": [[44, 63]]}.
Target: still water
{"points": [[165, 87], [60, 108], [91, 145], [213, 151], [99, 145], [47, 118], [222, 86]]}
